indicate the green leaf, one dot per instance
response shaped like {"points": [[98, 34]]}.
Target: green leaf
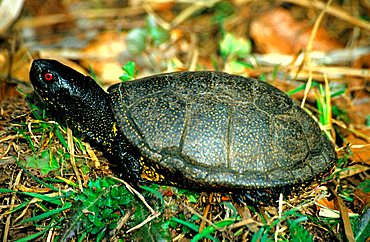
{"points": [[206, 232], [155, 192], [223, 10], [136, 41], [129, 70], [99, 210], [365, 185], [298, 232], [236, 66], [109, 202], [82, 237], [112, 226], [192, 198], [363, 229], [45, 163], [106, 213], [100, 235], [96, 229], [91, 217], [157, 34], [124, 200], [115, 193], [231, 46]]}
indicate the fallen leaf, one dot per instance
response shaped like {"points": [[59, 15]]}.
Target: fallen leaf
{"points": [[104, 57], [326, 203], [361, 198], [353, 170], [362, 62], [278, 32], [359, 146]]}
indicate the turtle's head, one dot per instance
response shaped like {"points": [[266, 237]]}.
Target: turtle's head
{"points": [[59, 85], [78, 99]]}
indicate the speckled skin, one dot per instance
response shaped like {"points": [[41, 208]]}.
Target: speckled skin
{"points": [[199, 130]]}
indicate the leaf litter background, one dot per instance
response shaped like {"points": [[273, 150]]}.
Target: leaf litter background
{"points": [[285, 43]]}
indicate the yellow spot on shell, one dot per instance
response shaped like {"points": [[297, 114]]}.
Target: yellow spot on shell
{"points": [[114, 128]]}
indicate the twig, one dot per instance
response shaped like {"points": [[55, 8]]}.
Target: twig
{"points": [[12, 203], [200, 216], [138, 194], [72, 154], [309, 49], [332, 10], [147, 220], [121, 222]]}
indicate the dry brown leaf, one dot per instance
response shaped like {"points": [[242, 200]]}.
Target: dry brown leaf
{"points": [[23, 188], [103, 55], [278, 32], [360, 108], [326, 203], [353, 170], [344, 213], [13, 73], [361, 198], [51, 11], [360, 147], [362, 62]]}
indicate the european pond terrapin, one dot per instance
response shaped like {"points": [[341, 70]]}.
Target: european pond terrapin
{"points": [[199, 130]]}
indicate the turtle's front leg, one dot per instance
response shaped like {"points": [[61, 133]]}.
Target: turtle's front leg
{"points": [[126, 160]]}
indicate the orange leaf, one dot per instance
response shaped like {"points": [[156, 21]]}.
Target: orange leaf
{"points": [[278, 32]]}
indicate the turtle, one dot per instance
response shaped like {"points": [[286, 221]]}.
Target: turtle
{"points": [[198, 130]]}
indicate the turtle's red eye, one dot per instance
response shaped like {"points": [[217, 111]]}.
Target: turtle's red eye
{"points": [[48, 76]]}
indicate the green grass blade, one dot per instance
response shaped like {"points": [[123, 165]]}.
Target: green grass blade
{"points": [[5, 190], [155, 192], [35, 178], [206, 232], [60, 136], [20, 206], [29, 140], [298, 232], [363, 229], [54, 200], [187, 224], [297, 89], [257, 236], [32, 236], [47, 214]]}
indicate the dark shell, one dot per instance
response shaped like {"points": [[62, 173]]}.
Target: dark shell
{"points": [[213, 129]]}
